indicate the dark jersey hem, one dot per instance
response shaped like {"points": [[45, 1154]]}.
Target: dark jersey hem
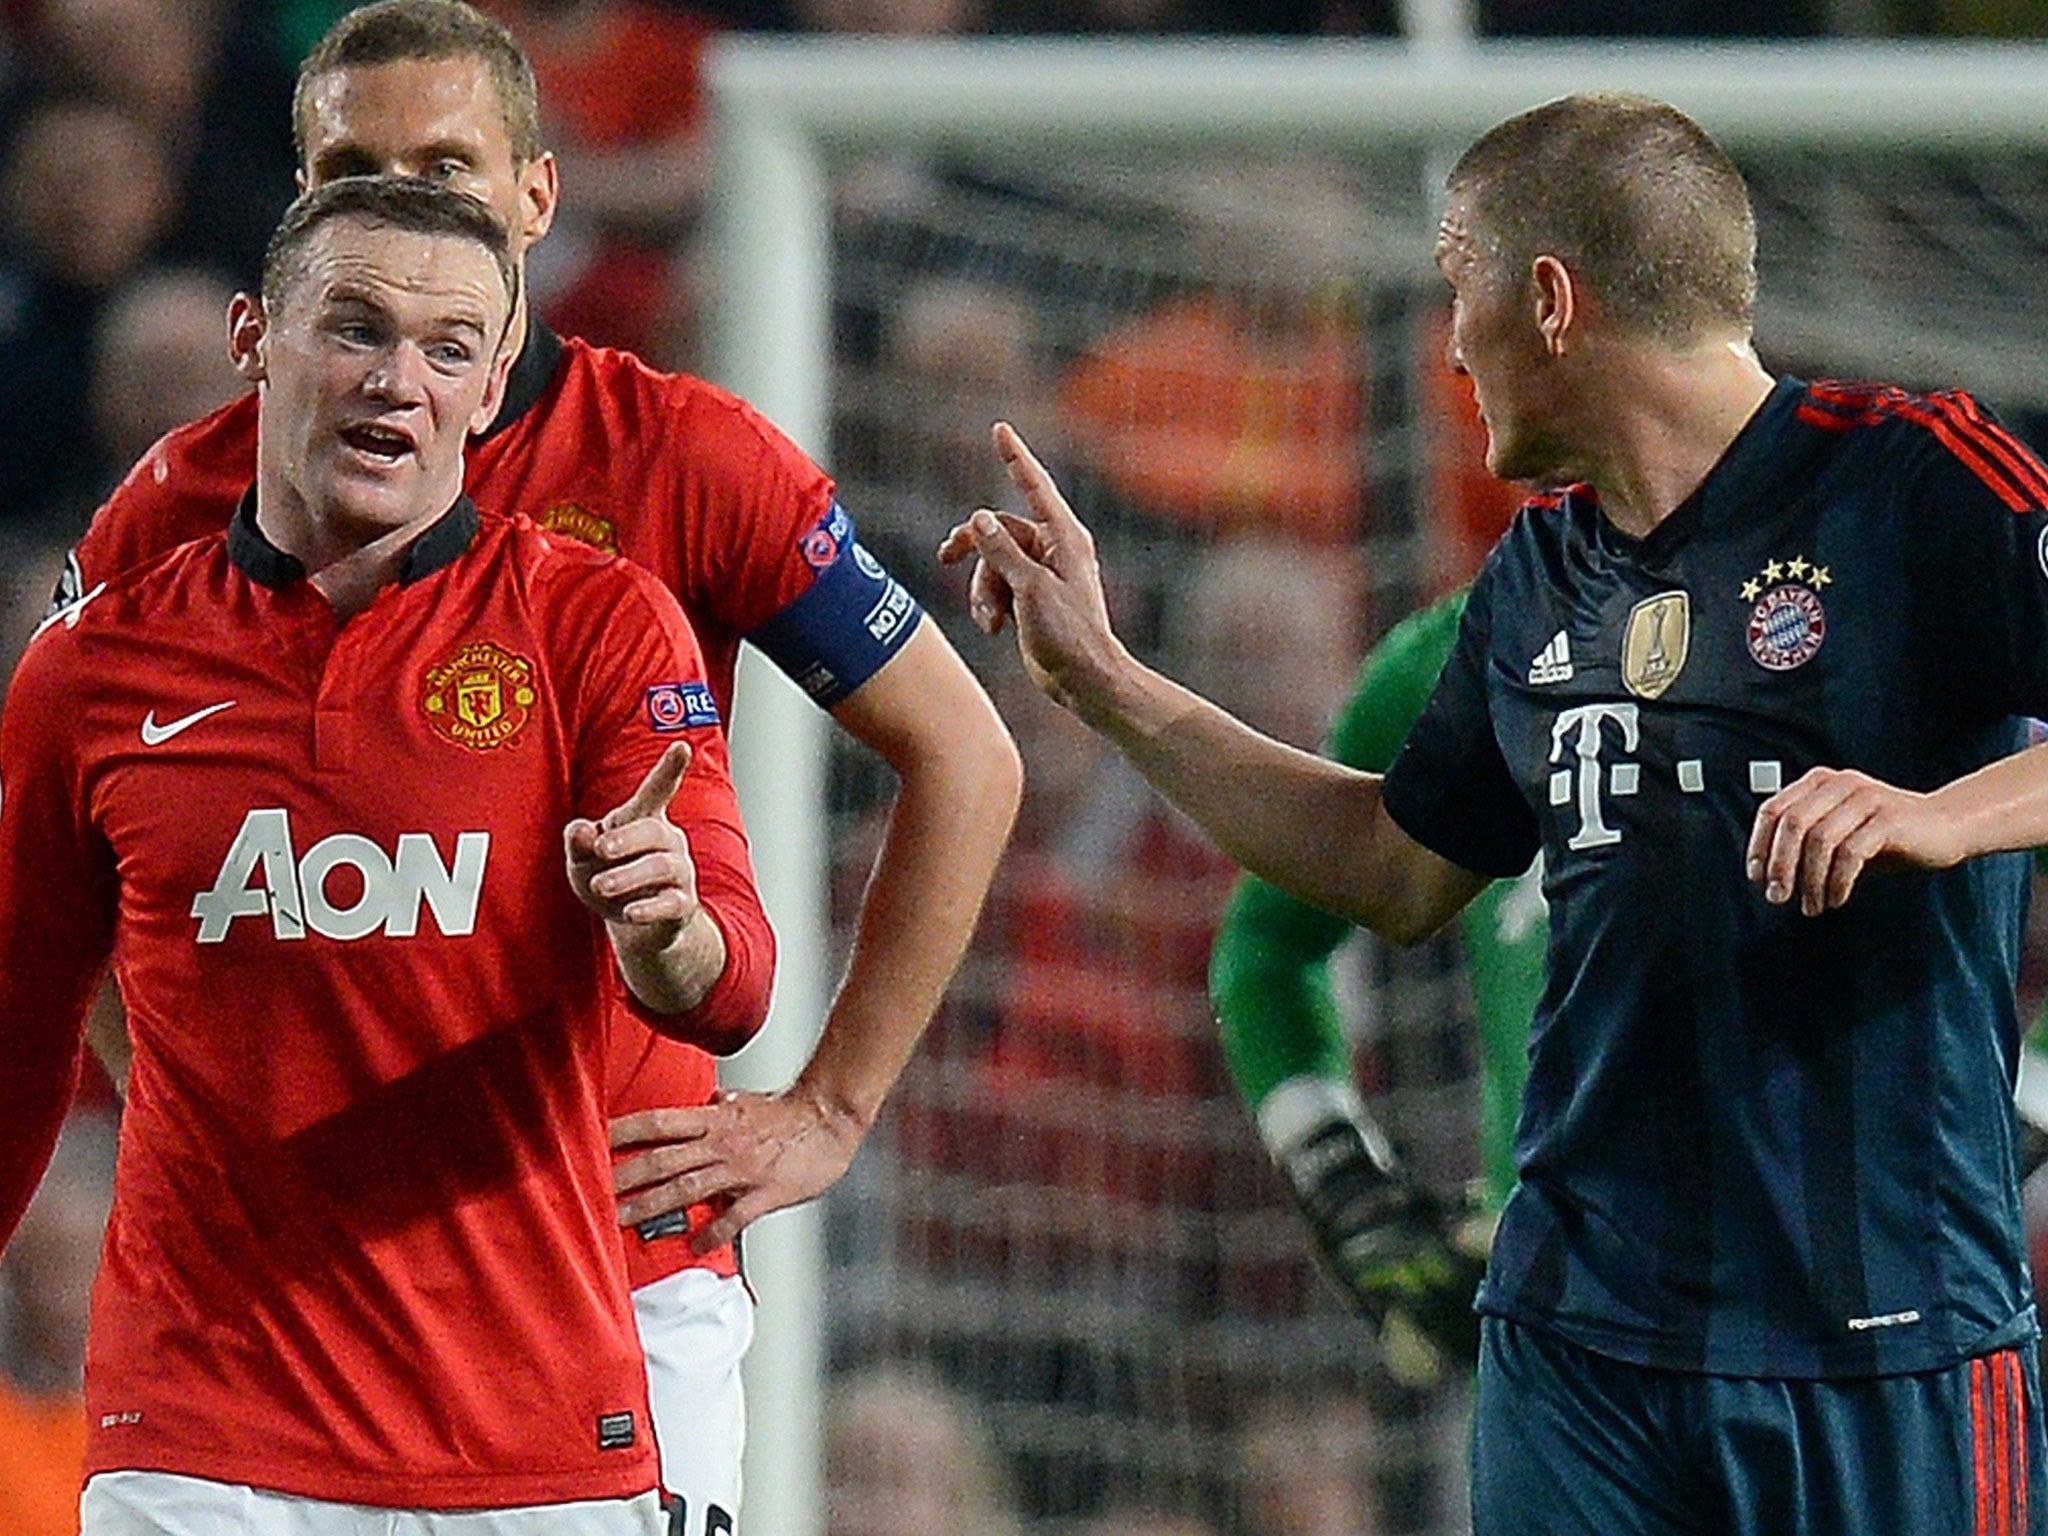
{"points": [[1844, 1360]]}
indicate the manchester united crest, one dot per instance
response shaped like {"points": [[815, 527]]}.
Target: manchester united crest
{"points": [[581, 523], [1655, 644], [1788, 622], [480, 697]]}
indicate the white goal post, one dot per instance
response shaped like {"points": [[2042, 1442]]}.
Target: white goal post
{"points": [[789, 110]]}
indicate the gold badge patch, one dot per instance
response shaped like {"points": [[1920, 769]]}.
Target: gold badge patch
{"points": [[480, 697], [1653, 649], [570, 519]]}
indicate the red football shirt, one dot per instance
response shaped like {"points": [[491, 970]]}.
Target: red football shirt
{"points": [[362, 1245], [683, 478]]}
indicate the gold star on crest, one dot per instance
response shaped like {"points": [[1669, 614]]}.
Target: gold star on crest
{"points": [[1797, 567], [1773, 571], [1820, 577], [1751, 590]]}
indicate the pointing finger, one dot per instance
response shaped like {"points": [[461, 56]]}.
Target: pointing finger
{"points": [[1035, 481], [656, 790]]}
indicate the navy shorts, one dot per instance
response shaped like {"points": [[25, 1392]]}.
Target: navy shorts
{"points": [[1566, 1442]]}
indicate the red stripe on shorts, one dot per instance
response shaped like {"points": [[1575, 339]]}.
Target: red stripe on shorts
{"points": [[2001, 1447], [1979, 1412], [2019, 1398]]}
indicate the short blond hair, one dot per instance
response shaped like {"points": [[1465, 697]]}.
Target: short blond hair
{"points": [[1633, 197]]}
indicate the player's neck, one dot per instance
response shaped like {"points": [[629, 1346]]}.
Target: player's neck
{"points": [[348, 562], [1673, 417]]}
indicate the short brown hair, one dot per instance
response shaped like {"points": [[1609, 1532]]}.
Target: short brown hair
{"points": [[1632, 196], [398, 31], [392, 202]]}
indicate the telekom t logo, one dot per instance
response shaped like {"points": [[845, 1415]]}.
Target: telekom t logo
{"points": [[1584, 724], [293, 891]]}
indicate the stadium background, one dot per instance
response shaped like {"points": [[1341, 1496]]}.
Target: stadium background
{"points": [[1060, 1292]]}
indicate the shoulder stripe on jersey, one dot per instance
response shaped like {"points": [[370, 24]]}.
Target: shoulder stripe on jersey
{"points": [[1997, 458], [2000, 464], [1955, 420], [2027, 470]]}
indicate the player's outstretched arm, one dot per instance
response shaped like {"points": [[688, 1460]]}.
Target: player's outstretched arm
{"points": [[959, 781], [632, 867], [1813, 840], [1314, 828]]}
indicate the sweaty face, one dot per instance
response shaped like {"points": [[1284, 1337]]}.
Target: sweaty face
{"points": [[376, 366], [436, 118], [1494, 340]]}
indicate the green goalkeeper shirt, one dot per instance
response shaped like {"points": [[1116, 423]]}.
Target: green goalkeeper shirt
{"points": [[1269, 972]]}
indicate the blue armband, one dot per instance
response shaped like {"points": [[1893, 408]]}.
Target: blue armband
{"points": [[847, 624]]}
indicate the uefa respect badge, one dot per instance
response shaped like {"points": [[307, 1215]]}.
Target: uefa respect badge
{"points": [[681, 706]]}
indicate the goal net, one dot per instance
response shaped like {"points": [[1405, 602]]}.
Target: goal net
{"points": [[1199, 281]]}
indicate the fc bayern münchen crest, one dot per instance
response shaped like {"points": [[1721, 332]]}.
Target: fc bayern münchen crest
{"points": [[1786, 627], [479, 697]]}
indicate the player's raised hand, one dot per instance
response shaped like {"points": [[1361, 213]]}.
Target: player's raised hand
{"points": [[745, 1153], [1039, 571], [633, 866], [1813, 840]]}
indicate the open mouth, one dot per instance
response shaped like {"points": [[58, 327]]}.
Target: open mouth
{"points": [[383, 444]]}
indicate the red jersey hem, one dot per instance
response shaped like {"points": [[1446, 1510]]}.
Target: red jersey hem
{"points": [[634, 1475], [646, 1263]]}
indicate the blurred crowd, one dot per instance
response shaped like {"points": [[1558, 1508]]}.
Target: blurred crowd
{"points": [[144, 153]]}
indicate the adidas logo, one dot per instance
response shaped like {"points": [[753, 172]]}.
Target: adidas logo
{"points": [[1553, 664]]}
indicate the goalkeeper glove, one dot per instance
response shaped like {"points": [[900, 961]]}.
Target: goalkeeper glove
{"points": [[1408, 1261]]}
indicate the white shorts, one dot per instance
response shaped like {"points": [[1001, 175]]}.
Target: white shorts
{"points": [[695, 1327], [165, 1504]]}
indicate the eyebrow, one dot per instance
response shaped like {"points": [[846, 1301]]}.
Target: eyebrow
{"points": [[353, 159], [463, 323], [346, 294]]}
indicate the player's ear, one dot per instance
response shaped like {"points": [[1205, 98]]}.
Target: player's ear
{"points": [[539, 190], [494, 392], [1554, 301], [247, 327]]}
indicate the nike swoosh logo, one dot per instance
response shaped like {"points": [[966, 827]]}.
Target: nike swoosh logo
{"points": [[154, 735]]}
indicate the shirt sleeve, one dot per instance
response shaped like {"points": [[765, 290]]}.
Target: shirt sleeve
{"points": [[640, 688], [781, 564], [1450, 788], [1979, 505], [57, 901]]}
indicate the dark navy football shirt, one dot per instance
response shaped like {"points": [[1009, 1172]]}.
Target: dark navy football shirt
{"points": [[1757, 1143]]}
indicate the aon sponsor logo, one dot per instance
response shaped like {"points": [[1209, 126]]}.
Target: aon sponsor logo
{"points": [[263, 876]]}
